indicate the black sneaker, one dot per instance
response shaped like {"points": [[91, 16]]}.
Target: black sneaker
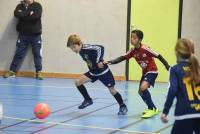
{"points": [[122, 110], [85, 104]]}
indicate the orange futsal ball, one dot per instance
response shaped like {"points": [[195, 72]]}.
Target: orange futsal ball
{"points": [[42, 110]]}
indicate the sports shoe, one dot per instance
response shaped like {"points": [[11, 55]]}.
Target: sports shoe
{"points": [[122, 110], [150, 113], [85, 104], [157, 111], [145, 111], [10, 74], [39, 75]]}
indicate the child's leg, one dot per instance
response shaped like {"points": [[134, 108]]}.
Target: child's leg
{"points": [[79, 84], [117, 95], [122, 107], [145, 94], [108, 80]]}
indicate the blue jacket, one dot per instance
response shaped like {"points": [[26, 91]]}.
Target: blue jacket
{"points": [[186, 94], [92, 55]]}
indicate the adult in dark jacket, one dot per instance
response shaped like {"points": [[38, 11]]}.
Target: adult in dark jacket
{"points": [[29, 27]]}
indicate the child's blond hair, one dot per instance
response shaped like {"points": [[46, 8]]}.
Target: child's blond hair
{"points": [[73, 39]]}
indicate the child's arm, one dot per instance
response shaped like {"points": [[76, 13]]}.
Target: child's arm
{"points": [[117, 60], [98, 52], [173, 88], [127, 56], [164, 62], [157, 55]]}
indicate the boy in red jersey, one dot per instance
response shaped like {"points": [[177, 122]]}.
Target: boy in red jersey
{"points": [[145, 58]]}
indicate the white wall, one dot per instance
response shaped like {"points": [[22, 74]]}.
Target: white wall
{"points": [[96, 21], [191, 22]]}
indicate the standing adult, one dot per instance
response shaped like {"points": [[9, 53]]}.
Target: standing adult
{"points": [[29, 27]]}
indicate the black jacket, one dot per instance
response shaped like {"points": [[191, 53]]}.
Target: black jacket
{"points": [[29, 24]]}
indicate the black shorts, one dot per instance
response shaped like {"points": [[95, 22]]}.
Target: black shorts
{"points": [[107, 78]]}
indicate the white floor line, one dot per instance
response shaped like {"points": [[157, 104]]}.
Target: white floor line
{"points": [[45, 86], [81, 126]]}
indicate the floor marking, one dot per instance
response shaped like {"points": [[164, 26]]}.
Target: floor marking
{"points": [[81, 126]]}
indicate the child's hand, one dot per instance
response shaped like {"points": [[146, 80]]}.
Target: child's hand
{"points": [[100, 65], [164, 118], [106, 62]]}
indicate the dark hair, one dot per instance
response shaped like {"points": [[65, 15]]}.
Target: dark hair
{"points": [[139, 33]]}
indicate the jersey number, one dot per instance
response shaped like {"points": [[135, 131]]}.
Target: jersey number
{"points": [[191, 91]]}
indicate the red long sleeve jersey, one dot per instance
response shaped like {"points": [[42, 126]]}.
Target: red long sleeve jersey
{"points": [[144, 56]]}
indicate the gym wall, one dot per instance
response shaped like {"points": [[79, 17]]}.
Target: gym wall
{"points": [[96, 21]]}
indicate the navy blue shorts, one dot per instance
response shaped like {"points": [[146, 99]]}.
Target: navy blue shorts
{"points": [[187, 126], [107, 79], [150, 78]]}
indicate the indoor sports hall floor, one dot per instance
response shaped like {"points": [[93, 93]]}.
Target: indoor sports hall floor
{"points": [[19, 96]]}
